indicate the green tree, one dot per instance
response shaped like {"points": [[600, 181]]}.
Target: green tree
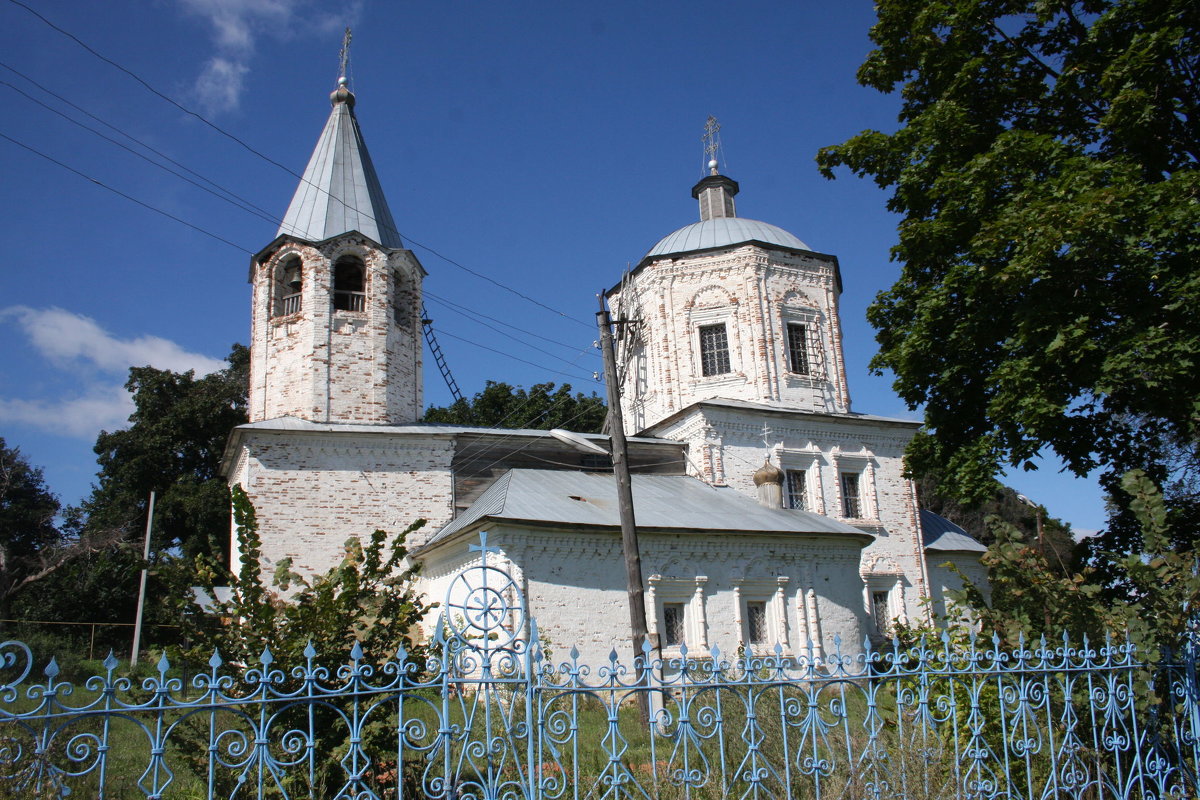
{"points": [[367, 598], [1046, 172], [173, 446], [33, 548], [542, 407]]}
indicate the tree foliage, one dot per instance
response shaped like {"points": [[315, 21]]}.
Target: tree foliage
{"points": [[33, 547], [173, 446], [1045, 169], [542, 407], [1031, 596], [367, 598]]}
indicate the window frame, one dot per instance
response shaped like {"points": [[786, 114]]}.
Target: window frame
{"points": [[681, 608], [350, 300], [763, 609], [718, 351], [853, 506], [804, 349], [795, 488], [285, 303]]}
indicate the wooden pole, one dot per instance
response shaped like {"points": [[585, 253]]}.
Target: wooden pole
{"points": [[141, 604], [629, 541]]}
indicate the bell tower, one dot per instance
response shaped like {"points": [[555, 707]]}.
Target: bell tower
{"points": [[336, 322]]}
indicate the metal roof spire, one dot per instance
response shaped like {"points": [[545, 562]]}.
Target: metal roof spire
{"points": [[340, 191]]}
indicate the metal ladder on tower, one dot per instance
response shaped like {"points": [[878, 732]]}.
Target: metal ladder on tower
{"points": [[438, 357]]}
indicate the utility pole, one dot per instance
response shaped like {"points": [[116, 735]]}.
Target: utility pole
{"points": [[141, 605], [629, 541]]}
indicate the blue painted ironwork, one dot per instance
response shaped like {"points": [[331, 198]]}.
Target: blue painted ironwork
{"points": [[487, 714]]}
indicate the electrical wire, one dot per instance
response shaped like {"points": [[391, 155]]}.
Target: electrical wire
{"points": [[272, 161], [523, 361], [118, 192], [443, 301], [142, 156], [138, 141], [526, 344]]}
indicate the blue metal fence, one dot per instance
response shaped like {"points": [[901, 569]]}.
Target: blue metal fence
{"points": [[490, 716]]}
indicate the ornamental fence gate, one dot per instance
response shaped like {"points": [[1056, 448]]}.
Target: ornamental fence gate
{"points": [[491, 715]]}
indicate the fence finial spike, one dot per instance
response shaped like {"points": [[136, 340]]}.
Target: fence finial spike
{"points": [[163, 664], [51, 670], [310, 652], [356, 652], [215, 661], [111, 662], [266, 658]]}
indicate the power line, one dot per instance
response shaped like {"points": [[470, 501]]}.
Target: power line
{"points": [[272, 161], [245, 205], [466, 310], [226, 241], [138, 141], [130, 150], [118, 192], [525, 344], [515, 358]]}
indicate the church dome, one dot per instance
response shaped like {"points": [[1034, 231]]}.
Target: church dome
{"points": [[723, 231]]}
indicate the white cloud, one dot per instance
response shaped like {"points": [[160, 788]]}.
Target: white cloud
{"points": [[219, 86], [236, 25], [70, 341], [103, 408], [65, 337]]}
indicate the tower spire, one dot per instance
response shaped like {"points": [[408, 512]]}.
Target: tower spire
{"points": [[340, 191]]}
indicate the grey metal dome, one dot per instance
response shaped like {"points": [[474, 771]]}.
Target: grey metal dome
{"points": [[722, 231]]}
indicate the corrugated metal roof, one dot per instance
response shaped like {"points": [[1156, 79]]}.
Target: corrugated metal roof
{"points": [[340, 191], [661, 502], [722, 231], [942, 535]]}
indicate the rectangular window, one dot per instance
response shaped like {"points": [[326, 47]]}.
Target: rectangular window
{"points": [[794, 495], [797, 341], [756, 622], [851, 499], [714, 350], [879, 609], [672, 624]]}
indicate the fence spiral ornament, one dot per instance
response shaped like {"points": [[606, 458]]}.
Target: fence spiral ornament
{"points": [[488, 713]]}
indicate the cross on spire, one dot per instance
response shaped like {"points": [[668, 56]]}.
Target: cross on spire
{"points": [[344, 57], [712, 143]]}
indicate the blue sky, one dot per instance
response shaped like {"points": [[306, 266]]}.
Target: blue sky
{"points": [[544, 145]]}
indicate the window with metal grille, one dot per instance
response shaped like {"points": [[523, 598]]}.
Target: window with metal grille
{"points": [[714, 350], [794, 495], [797, 341], [851, 497], [879, 609], [672, 635], [349, 278], [756, 622]]}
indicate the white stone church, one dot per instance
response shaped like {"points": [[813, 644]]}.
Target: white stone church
{"points": [[768, 511]]}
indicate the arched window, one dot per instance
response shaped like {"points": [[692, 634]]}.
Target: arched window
{"points": [[348, 282], [289, 287]]}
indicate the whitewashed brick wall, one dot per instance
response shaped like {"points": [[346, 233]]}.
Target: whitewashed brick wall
{"points": [[755, 292], [312, 491], [575, 583], [328, 365]]}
